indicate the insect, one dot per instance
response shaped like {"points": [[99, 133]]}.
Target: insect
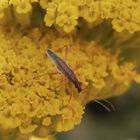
{"points": [[64, 69]]}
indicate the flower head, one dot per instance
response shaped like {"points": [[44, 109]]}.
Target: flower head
{"points": [[34, 97]]}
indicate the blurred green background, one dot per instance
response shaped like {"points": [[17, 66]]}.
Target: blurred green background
{"points": [[99, 124]]}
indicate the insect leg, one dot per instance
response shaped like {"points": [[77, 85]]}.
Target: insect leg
{"points": [[66, 53], [70, 99], [35, 77]]}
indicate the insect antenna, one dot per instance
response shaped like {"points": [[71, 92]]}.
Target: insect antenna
{"points": [[112, 106], [100, 103]]}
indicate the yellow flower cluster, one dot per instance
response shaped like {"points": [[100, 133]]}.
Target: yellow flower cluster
{"points": [[34, 97], [28, 100], [3, 5], [63, 14], [37, 138], [31, 96], [124, 14], [21, 6], [66, 14]]}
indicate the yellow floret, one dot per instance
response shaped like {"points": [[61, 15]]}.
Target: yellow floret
{"points": [[46, 121]]}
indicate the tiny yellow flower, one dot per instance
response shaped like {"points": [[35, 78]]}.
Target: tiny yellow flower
{"points": [[46, 121]]}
